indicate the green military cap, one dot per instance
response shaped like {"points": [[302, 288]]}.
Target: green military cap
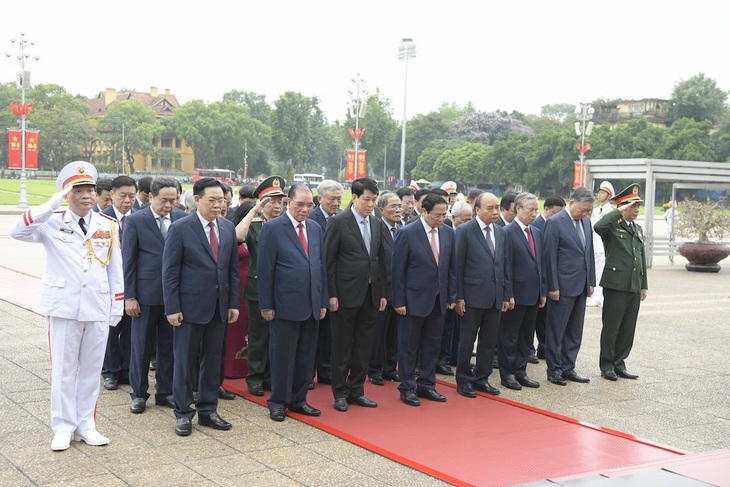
{"points": [[271, 186], [628, 195]]}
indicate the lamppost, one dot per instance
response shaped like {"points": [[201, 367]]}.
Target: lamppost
{"points": [[23, 79], [357, 109], [584, 112], [406, 51]]}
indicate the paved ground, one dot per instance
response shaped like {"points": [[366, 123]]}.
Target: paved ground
{"points": [[681, 400]]}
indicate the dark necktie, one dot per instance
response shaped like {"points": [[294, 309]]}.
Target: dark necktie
{"points": [[303, 239], [530, 240], [490, 244], [213, 241], [163, 228], [121, 223], [392, 231], [82, 224], [581, 234]]}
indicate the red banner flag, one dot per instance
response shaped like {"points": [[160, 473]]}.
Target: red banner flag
{"points": [[14, 149], [579, 171], [15, 152], [362, 164], [350, 166], [31, 149]]}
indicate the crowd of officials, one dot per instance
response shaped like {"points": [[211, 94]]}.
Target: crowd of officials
{"points": [[289, 290]]}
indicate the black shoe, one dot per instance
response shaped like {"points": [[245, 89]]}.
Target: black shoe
{"points": [[511, 383], [377, 380], [557, 380], [183, 427], [573, 376], [341, 404], [266, 386], [139, 404], [466, 390], [444, 369], [533, 359], [111, 384], [324, 379], [410, 398], [610, 375], [277, 414], [527, 382], [430, 394], [540, 354], [256, 390], [168, 401], [486, 387], [626, 374], [306, 410], [214, 421], [224, 394], [362, 401], [310, 385], [394, 377]]}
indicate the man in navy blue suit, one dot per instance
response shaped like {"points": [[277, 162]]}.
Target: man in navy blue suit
{"points": [[201, 286], [424, 287], [142, 248], [293, 298], [118, 346], [528, 293], [571, 276], [482, 266]]}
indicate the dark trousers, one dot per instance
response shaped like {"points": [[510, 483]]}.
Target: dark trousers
{"points": [[620, 311], [540, 322], [516, 331], [447, 338], [322, 366], [482, 325], [188, 339], [258, 347], [149, 328], [564, 332], [118, 349], [292, 349], [419, 340], [384, 359], [353, 335]]}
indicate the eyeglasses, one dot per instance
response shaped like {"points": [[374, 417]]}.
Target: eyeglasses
{"points": [[438, 216], [302, 204], [394, 207], [214, 201]]}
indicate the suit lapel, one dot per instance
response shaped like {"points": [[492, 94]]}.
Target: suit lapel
{"points": [[481, 237], [355, 229], [151, 222], [200, 232], [292, 234]]}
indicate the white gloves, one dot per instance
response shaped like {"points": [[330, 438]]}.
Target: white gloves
{"points": [[56, 199], [115, 321]]}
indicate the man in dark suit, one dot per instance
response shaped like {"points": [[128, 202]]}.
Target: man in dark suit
{"points": [[506, 209], [408, 200], [528, 292], [201, 286], [103, 194], [142, 248], [570, 273], [482, 267], [355, 274], [118, 346], [384, 359], [143, 195], [418, 199], [329, 195], [293, 299], [424, 287]]}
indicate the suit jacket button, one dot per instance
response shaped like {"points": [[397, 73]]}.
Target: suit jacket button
{"points": [[614, 269]]}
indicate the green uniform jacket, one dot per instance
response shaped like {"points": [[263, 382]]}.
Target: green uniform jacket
{"points": [[625, 258], [251, 291]]}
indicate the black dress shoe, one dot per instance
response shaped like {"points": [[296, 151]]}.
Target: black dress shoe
{"points": [[626, 374], [183, 427], [444, 369], [511, 383], [256, 390], [533, 359], [224, 394], [394, 377], [310, 385], [410, 398], [377, 380], [214, 421], [168, 401], [362, 401], [111, 384], [557, 380], [610, 375], [430, 394], [306, 410], [324, 379], [341, 404], [277, 414], [466, 390], [527, 382], [574, 377], [486, 387], [139, 404]]}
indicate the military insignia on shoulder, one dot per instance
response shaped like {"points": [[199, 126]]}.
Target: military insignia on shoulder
{"points": [[257, 219], [107, 216]]}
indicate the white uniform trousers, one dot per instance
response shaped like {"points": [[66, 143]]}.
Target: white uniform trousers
{"points": [[597, 298], [77, 354]]}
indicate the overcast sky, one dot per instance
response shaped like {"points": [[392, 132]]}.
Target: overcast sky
{"points": [[509, 55]]}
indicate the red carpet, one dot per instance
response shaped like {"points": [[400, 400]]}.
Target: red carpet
{"points": [[483, 441]]}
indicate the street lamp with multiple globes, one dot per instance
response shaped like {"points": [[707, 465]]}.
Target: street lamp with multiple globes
{"points": [[584, 111], [406, 51], [23, 57], [358, 105]]}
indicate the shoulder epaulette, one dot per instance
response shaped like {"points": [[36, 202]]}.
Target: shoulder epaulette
{"points": [[107, 216], [257, 219]]}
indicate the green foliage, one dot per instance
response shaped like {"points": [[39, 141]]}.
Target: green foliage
{"points": [[559, 112], [688, 140], [699, 98], [141, 126]]}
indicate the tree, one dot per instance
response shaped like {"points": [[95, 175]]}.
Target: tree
{"points": [[486, 128], [140, 125], [297, 126], [559, 112], [688, 140], [421, 131], [260, 109], [197, 123], [379, 138], [698, 98]]}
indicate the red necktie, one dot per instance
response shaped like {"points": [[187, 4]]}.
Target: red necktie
{"points": [[303, 239], [530, 240], [213, 241], [434, 248]]}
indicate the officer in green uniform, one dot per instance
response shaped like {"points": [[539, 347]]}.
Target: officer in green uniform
{"points": [[624, 281], [258, 376]]}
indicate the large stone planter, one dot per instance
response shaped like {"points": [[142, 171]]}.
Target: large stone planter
{"points": [[703, 257]]}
